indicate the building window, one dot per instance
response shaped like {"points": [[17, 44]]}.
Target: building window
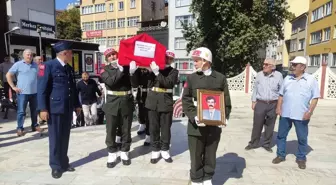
{"points": [[111, 23], [335, 32], [100, 8], [101, 41], [326, 34], [293, 44], [179, 3], [301, 44], [121, 23], [333, 64], [100, 25], [111, 41], [87, 10], [89, 40], [133, 4], [87, 26], [184, 64], [328, 8], [180, 43], [317, 14], [325, 58], [132, 21], [111, 7], [316, 37], [120, 38], [121, 6], [183, 20], [315, 60]]}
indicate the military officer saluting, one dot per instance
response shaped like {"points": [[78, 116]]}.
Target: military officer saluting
{"points": [[57, 98], [159, 103], [203, 140], [142, 75], [118, 108]]}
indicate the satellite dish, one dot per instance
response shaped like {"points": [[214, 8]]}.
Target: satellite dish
{"points": [[163, 24]]}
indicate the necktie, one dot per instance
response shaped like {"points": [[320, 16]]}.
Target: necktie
{"points": [[211, 115]]}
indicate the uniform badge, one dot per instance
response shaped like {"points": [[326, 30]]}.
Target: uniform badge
{"points": [[41, 70]]}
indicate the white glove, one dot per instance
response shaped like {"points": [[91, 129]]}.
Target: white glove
{"points": [[133, 67], [226, 123], [198, 123], [155, 68], [121, 69]]}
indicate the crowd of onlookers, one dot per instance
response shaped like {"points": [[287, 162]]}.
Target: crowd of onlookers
{"points": [[19, 84]]}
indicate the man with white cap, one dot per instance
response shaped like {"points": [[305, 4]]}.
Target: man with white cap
{"points": [[203, 140], [298, 98], [159, 103]]}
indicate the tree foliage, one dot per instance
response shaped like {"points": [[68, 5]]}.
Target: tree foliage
{"points": [[234, 30], [68, 25]]}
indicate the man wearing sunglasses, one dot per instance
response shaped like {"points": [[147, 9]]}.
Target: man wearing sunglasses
{"points": [[264, 101], [298, 98]]}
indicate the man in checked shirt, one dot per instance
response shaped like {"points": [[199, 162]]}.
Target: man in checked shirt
{"points": [[264, 102]]}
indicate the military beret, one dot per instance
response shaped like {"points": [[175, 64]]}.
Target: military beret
{"points": [[62, 45], [110, 51]]}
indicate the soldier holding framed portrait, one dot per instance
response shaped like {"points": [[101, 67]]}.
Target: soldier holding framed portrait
{"points": [[205, 91]]}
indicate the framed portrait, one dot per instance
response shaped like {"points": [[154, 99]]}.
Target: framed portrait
{"points": [[88, 58], [211, 107]]}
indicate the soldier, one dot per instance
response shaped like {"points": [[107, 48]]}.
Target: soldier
{"points": [[160, 104], [143, 75], [110, 56], [118, 108], [203, 140], [57, 97]]}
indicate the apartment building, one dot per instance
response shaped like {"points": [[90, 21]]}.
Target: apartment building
{"points": [[107, 22], [322, 34], [297, 7], [297, 43], [179, 13]]}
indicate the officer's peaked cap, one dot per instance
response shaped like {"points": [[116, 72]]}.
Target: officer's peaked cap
{"points": [[62, 45]]}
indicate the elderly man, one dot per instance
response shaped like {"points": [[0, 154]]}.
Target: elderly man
{"points": [[88, 89], [264, 100], [38, 60], [299, 95], [26, 89]]}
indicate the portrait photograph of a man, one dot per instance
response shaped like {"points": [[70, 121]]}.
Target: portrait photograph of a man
{"points": [[210, 110]]}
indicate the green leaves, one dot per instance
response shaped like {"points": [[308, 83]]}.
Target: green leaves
{"points": [[68, 25], [235, 30]]}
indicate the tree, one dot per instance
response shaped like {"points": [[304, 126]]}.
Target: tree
{"points": [[234, 30], [68, 25]]}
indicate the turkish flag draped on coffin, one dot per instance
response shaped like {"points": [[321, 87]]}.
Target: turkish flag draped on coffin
{"points": [[143, 49]]}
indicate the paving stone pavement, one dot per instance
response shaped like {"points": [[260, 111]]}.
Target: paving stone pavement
{"points": [[24, 160]]}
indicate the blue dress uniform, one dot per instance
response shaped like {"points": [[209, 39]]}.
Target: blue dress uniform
{"points": [[58, 96]]}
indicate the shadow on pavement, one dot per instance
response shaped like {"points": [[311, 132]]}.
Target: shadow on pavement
{"points": [[36, 136], [91, 157], [228, 166]]}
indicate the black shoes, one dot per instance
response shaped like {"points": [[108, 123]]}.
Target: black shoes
{"points": [[56, 174]]}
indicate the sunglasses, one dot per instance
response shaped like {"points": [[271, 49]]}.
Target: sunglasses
{"points": [[294, 64], [266, 64]]}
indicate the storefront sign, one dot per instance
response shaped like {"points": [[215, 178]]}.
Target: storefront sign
{"points": [[31, 25], [92, 34]]}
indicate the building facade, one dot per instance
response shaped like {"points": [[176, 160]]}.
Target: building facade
{"points": [[28, 16], [297, 7], [108, 22], [297, 44], [178, 11], [322, 34]]}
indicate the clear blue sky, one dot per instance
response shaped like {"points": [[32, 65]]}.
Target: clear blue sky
{"points": [[62, 4]]}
